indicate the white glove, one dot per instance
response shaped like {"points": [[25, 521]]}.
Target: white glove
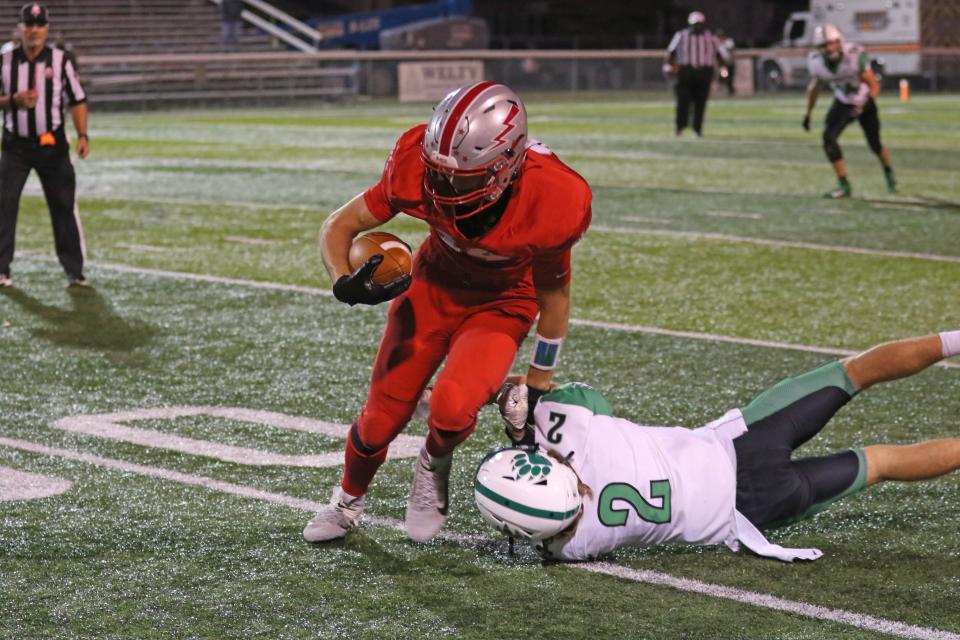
{"points": [[512, 400]]}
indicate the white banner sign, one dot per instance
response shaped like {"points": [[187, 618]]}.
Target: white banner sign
{"points": [[429, 81]]}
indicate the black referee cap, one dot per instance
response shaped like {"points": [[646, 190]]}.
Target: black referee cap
{"points": [[33, 13]]}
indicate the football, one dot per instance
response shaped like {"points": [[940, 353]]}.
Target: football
{"points": [[397, 256]]}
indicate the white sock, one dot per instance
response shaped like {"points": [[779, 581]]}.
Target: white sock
{"points": [[346, 498], [951, 343]]}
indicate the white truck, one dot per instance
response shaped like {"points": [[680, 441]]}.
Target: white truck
{"points": [[891, 31]]}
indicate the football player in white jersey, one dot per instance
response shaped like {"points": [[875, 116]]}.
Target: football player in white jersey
{"points": [[846, 67], [720, 483]]}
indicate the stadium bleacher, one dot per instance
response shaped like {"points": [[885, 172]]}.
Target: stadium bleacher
{"points": [[110, 27]]}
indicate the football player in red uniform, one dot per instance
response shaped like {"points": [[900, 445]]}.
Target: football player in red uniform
{"points": [[504, 213]]}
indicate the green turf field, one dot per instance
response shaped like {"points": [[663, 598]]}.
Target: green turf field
{"points": [[708, 262]]}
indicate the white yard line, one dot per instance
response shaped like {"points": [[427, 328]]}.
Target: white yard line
{"points": [[701, 235], [150, 248], [766, 601], [734, 214], [900, 207], [248, 240], [612, 326], [648, 220]]}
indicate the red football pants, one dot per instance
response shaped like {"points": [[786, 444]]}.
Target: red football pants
{"points": [[478, 334]]}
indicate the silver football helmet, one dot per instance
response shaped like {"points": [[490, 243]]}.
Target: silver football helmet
{"points": [[473, 147]]}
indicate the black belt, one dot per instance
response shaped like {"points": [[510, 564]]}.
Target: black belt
{"points": [[59, 137]]}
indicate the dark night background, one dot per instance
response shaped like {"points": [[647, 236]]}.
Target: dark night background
{"points": [[592, 25]]}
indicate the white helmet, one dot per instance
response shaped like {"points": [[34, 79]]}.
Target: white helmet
{"points": [[826, 33], [473, 147], [696, 17], [524, 493]]}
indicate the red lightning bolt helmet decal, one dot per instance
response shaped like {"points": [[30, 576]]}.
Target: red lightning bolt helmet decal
{"points": [[508, 125]]}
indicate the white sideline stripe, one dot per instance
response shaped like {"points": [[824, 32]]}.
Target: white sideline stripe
{"points": [[766, 601], [861, 620], [712, 337], [613, 326], [703, 235]]}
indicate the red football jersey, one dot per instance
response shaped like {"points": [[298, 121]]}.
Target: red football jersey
{"points": [[548, 211]]}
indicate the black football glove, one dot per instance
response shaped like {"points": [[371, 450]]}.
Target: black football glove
{"points": [[806, 123], [533, 397], [359, 287]]}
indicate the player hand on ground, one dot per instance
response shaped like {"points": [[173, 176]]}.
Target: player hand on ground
{"points": [[359, 287], [806, 123], [512, 401]]}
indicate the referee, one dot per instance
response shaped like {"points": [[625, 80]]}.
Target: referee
{"points": [[691, 56], [36, 81]]}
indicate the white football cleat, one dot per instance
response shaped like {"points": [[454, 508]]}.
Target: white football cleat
{"points": [[427, 507], [334, 520]]}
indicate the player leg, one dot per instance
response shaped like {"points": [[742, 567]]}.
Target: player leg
{"points": [[413, 345], [772, 489], [684, 90], [782, 418], [870, 123], [837, 120], [481, 354], [906, 463], [58, 179], [702, 82], [899, 359], [14, 170], [830, 478]]}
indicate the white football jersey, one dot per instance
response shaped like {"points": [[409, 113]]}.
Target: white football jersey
{"points": [[844, 76], [649, 484]]}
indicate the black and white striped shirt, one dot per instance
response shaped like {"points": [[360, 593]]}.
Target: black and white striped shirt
{"points": [[694, 49], [53, 75]]}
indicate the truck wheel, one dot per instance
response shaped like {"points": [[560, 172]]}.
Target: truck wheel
{"points": [[771, 76]]}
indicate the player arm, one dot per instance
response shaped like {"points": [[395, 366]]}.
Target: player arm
{"points": [[813, 92], [338, 232], [336, 238], [551, 330], [870, 78], [670, 60], [78, 113]]}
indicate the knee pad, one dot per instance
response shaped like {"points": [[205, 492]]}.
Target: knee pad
{"points": [[374, 431], [831, 147], [450, 410]]}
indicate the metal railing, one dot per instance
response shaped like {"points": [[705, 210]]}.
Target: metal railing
{"points": [[156, 79], [284, 27]]}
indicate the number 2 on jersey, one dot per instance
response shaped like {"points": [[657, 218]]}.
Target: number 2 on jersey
{"points": [[557, 420], [622, 491]]}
